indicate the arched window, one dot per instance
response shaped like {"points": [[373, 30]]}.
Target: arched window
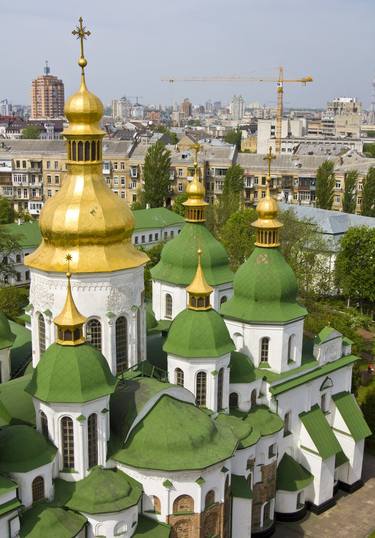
{"points": [[223, 299], [233, 400], [42, 333], [238, 341], [93, 151], [121, 344], [94, 333], [291, 356], [156, 504], [87, 151], [220, 389], [92, 438], [37, 488], [44, 424], [264, 347], [67, 436], [74, 151], [179, 377], [266, 514], [80, 151], [168, 306], [139, 335], [210, 499], [183, 503], [201, 384], [253, 397]]}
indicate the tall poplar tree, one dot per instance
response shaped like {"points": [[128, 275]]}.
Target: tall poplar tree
{"points": [[350, 191], [368, 194], [325, 184], [156, 173]]}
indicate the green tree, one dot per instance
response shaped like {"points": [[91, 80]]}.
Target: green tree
{"points": [[9, 247], [231, 199], [325, 183], [369, 149], [31, 131], [156, 174], [368, 194], [355, 268], [154, 254], [6, 211], [238, 236], [12, 301], [178, 206], [368, 409], [349, 200], [234, 137]]}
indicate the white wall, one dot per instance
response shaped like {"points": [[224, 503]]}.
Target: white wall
{"points": [[24, 481], [114, 524], [10, 521], [241, 517]]}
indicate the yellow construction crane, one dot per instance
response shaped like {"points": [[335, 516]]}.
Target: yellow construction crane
{"points": [[280, 81]]}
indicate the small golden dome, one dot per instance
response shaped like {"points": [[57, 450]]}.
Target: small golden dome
{"points": [[267, 208], [199, 290], [69, 322], [84, 110]]}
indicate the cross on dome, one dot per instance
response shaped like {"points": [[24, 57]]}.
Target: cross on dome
{"points": [[81, 33]]}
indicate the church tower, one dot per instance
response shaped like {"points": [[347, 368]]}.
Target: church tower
{"points": [[92, 225]]}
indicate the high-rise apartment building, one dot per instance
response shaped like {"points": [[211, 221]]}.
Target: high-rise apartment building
{"points": [[186, 108], [237, 107], [47, 96]]}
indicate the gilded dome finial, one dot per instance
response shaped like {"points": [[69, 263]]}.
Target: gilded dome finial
{"points": [[199, 290], [195, 204], [267, 225], [69, 322], [81, 33]]}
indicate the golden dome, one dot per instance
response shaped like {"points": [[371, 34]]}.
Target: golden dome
{"points": [[195, 203], [85, 218], [69, 322]]}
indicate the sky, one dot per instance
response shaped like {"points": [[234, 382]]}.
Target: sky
{"points": [[136, 43]]}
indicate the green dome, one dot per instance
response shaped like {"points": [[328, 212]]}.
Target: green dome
{"points": [[71, 374], [178, 262], [176, 436], [265, 290], [103, 491], [22, 449], [198, 333], [44, 520], [6, 336]]}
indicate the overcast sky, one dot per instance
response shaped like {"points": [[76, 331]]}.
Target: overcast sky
{"points": [[134, 43]]}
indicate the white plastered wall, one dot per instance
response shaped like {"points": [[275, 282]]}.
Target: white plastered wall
{"points": [[241, 517], [25, 480], [123, 524]]}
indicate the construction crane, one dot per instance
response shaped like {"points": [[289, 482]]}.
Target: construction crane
{"points": [[280, 81]]}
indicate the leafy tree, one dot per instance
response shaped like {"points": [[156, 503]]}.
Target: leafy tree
{"points": [[9, 247], [325, 183], [154, 254], [31, 131], [350, 192], [368, 194], [6, 211], [368, 409], [234, 137], [156, 174], [12, 301], [232, 197], [178, 206], [238, 236], [355, 268], [369, 149]]}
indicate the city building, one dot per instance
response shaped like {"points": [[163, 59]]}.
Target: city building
{"points": [[237, 107], [290, 129], [47, 99], [186, 108]]}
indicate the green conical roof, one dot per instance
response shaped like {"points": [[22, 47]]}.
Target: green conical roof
{"points": [[178, 262], [291, 476], [176, 436], [47, 520], [103, 491], [6, 336], [22, 449], [198, 333], [265, 290], [71, 374]]}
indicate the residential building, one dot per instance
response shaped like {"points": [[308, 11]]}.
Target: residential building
{"points": [[28, 237], [290, 129], [47, 96], [237, 107], [186, 108]]}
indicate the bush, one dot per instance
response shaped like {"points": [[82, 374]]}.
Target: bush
{"points": [[13, 301]]}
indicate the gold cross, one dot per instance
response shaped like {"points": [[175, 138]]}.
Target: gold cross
{"points": [[81, 33], [269, 157]]}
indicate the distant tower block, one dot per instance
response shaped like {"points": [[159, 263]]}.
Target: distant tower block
{"points": [[47, 100]]}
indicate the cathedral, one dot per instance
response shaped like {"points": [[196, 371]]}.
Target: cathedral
{"points": [[208, 414]]}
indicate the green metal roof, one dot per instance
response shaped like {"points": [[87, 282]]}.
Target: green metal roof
{"points": [[9, 506], [291, 476], [6, 485], [44, 520], [6, 336], [320, 432], [326, 334], [179, 259], [71, 374], [198, 333], [22, 449], [156, 217], [352, 415], [176, 436], [240, 487], [103, 491], [241, 368], [320, 371], [149, 528], [20, 352], [27, 234], [16, 405], [264, 290]]}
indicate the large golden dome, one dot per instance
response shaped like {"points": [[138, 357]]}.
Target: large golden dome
{"points": [[85, 218]]}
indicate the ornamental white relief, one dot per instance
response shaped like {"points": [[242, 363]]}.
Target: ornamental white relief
{"points": [[119, 299], [42, 295]]}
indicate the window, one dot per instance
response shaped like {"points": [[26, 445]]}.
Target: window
{"points": [[150, 238], [210, 499], [179, 377], [291, 356], [44, 424], [122, 165], [42, 334], [233, 400], [136, 240], [92, 438], [201, 389], [49, 179], [115, 166], [37, 488], [184, 503], [48, 165], [223, 299], [143, 239], [220, 388], [180, 187], [272, 451], [94, 333], [287, 418], [300, 500], [264, 347], [323, 402], [121, 344], [56, 165], [180, 172], [156, 237], [168, 306], [253, 397], [57, 180], [156, 504], [139, 335], [18, 258], [67, 437]]}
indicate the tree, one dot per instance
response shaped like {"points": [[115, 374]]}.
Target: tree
{"points": [[12, 301], [232, 197], [369, 149], [368, 194], [325, 183], [9, 246], [238, 236], [355, 268], [154, 254], [234, 137], [178, 206], [368, 409], [31, 131], [349, 201], [156, 172], [6, 211]]}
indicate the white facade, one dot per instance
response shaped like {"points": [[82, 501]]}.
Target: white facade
{"points": [[123, 524], [25, 480]]}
